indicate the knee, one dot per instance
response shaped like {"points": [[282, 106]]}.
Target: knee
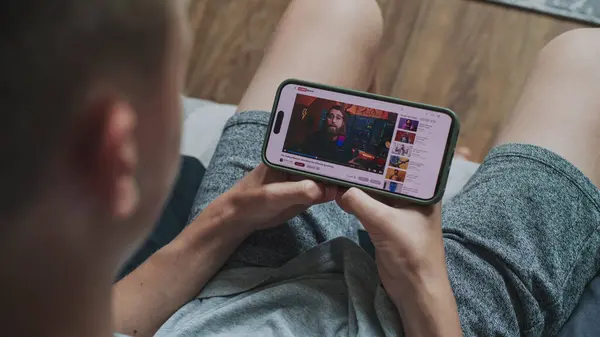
{"points": [[574, 51], [362, 18], [356, 12]]}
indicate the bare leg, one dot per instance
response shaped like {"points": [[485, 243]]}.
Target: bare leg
{"points": [[332, 42], [521, 239], [560, 107]]}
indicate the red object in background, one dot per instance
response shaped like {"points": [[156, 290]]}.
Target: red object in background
{"points": [[305, 100], [366, 156], [369, 157], [367, 112]]}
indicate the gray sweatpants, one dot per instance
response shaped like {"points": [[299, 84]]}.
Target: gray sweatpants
{"points": [[521, 239]]}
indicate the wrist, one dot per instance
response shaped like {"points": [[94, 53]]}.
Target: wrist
{"points": [[410, 278], [219, 220], [418, 288], [428, 307]]}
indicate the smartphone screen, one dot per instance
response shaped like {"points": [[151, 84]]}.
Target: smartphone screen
{"points": [[364, 141]]}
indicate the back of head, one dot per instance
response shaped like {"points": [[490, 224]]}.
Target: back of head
{"points": [[50, 54], [53, 55]]}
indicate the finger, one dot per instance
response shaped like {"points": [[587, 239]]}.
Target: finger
{"points": [[463, 152], [270, 175], [287, 194], [370, 212], [331, 191], [396, 203], [260, 170]]}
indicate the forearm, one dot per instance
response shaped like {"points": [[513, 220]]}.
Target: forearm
{"points": [[146, 298], [428, 308]]}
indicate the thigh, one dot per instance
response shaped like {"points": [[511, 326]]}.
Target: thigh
{"points": [[560, 107], [522, 242], [522, 238], [332, 42]]}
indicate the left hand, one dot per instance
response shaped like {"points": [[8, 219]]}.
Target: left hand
{"points": [[266, 198]]}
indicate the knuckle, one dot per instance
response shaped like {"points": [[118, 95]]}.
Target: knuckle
{"points": [[351, 197], [309, 189], [268, 193]]}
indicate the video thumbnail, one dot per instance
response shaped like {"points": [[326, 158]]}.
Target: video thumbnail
{"points": [[340, 133], [399, 162], [395, 175], [409, 124], [393, 186], [402, 149], [405, 137]]}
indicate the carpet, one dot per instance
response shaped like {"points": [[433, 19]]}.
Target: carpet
{"points": [[582, 10]]}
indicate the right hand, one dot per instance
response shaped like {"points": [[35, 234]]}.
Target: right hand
{"points": [[407, 239]]}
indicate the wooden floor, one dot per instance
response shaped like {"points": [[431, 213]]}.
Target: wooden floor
{"points": [[469, 56]]}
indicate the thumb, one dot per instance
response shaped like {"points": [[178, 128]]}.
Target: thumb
{"points": [[305, 192], [373, 214]]}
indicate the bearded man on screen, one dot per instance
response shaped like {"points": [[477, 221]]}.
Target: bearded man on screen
{"points": [[330, 143]]}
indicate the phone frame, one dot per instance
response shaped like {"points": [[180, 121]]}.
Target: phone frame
{"points": [[446, 161]]}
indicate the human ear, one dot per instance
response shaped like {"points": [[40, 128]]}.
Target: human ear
{"points": [[120, 149], [106, 155]]}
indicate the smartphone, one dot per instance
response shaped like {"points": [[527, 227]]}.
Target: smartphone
{"points": [[393, 147]]}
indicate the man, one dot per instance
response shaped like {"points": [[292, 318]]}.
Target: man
{"points": [[89, 144], [408, 125], [329, 143], [401, 150]]}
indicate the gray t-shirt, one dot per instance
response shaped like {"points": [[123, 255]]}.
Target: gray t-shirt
{"points": [[332, 289]]}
